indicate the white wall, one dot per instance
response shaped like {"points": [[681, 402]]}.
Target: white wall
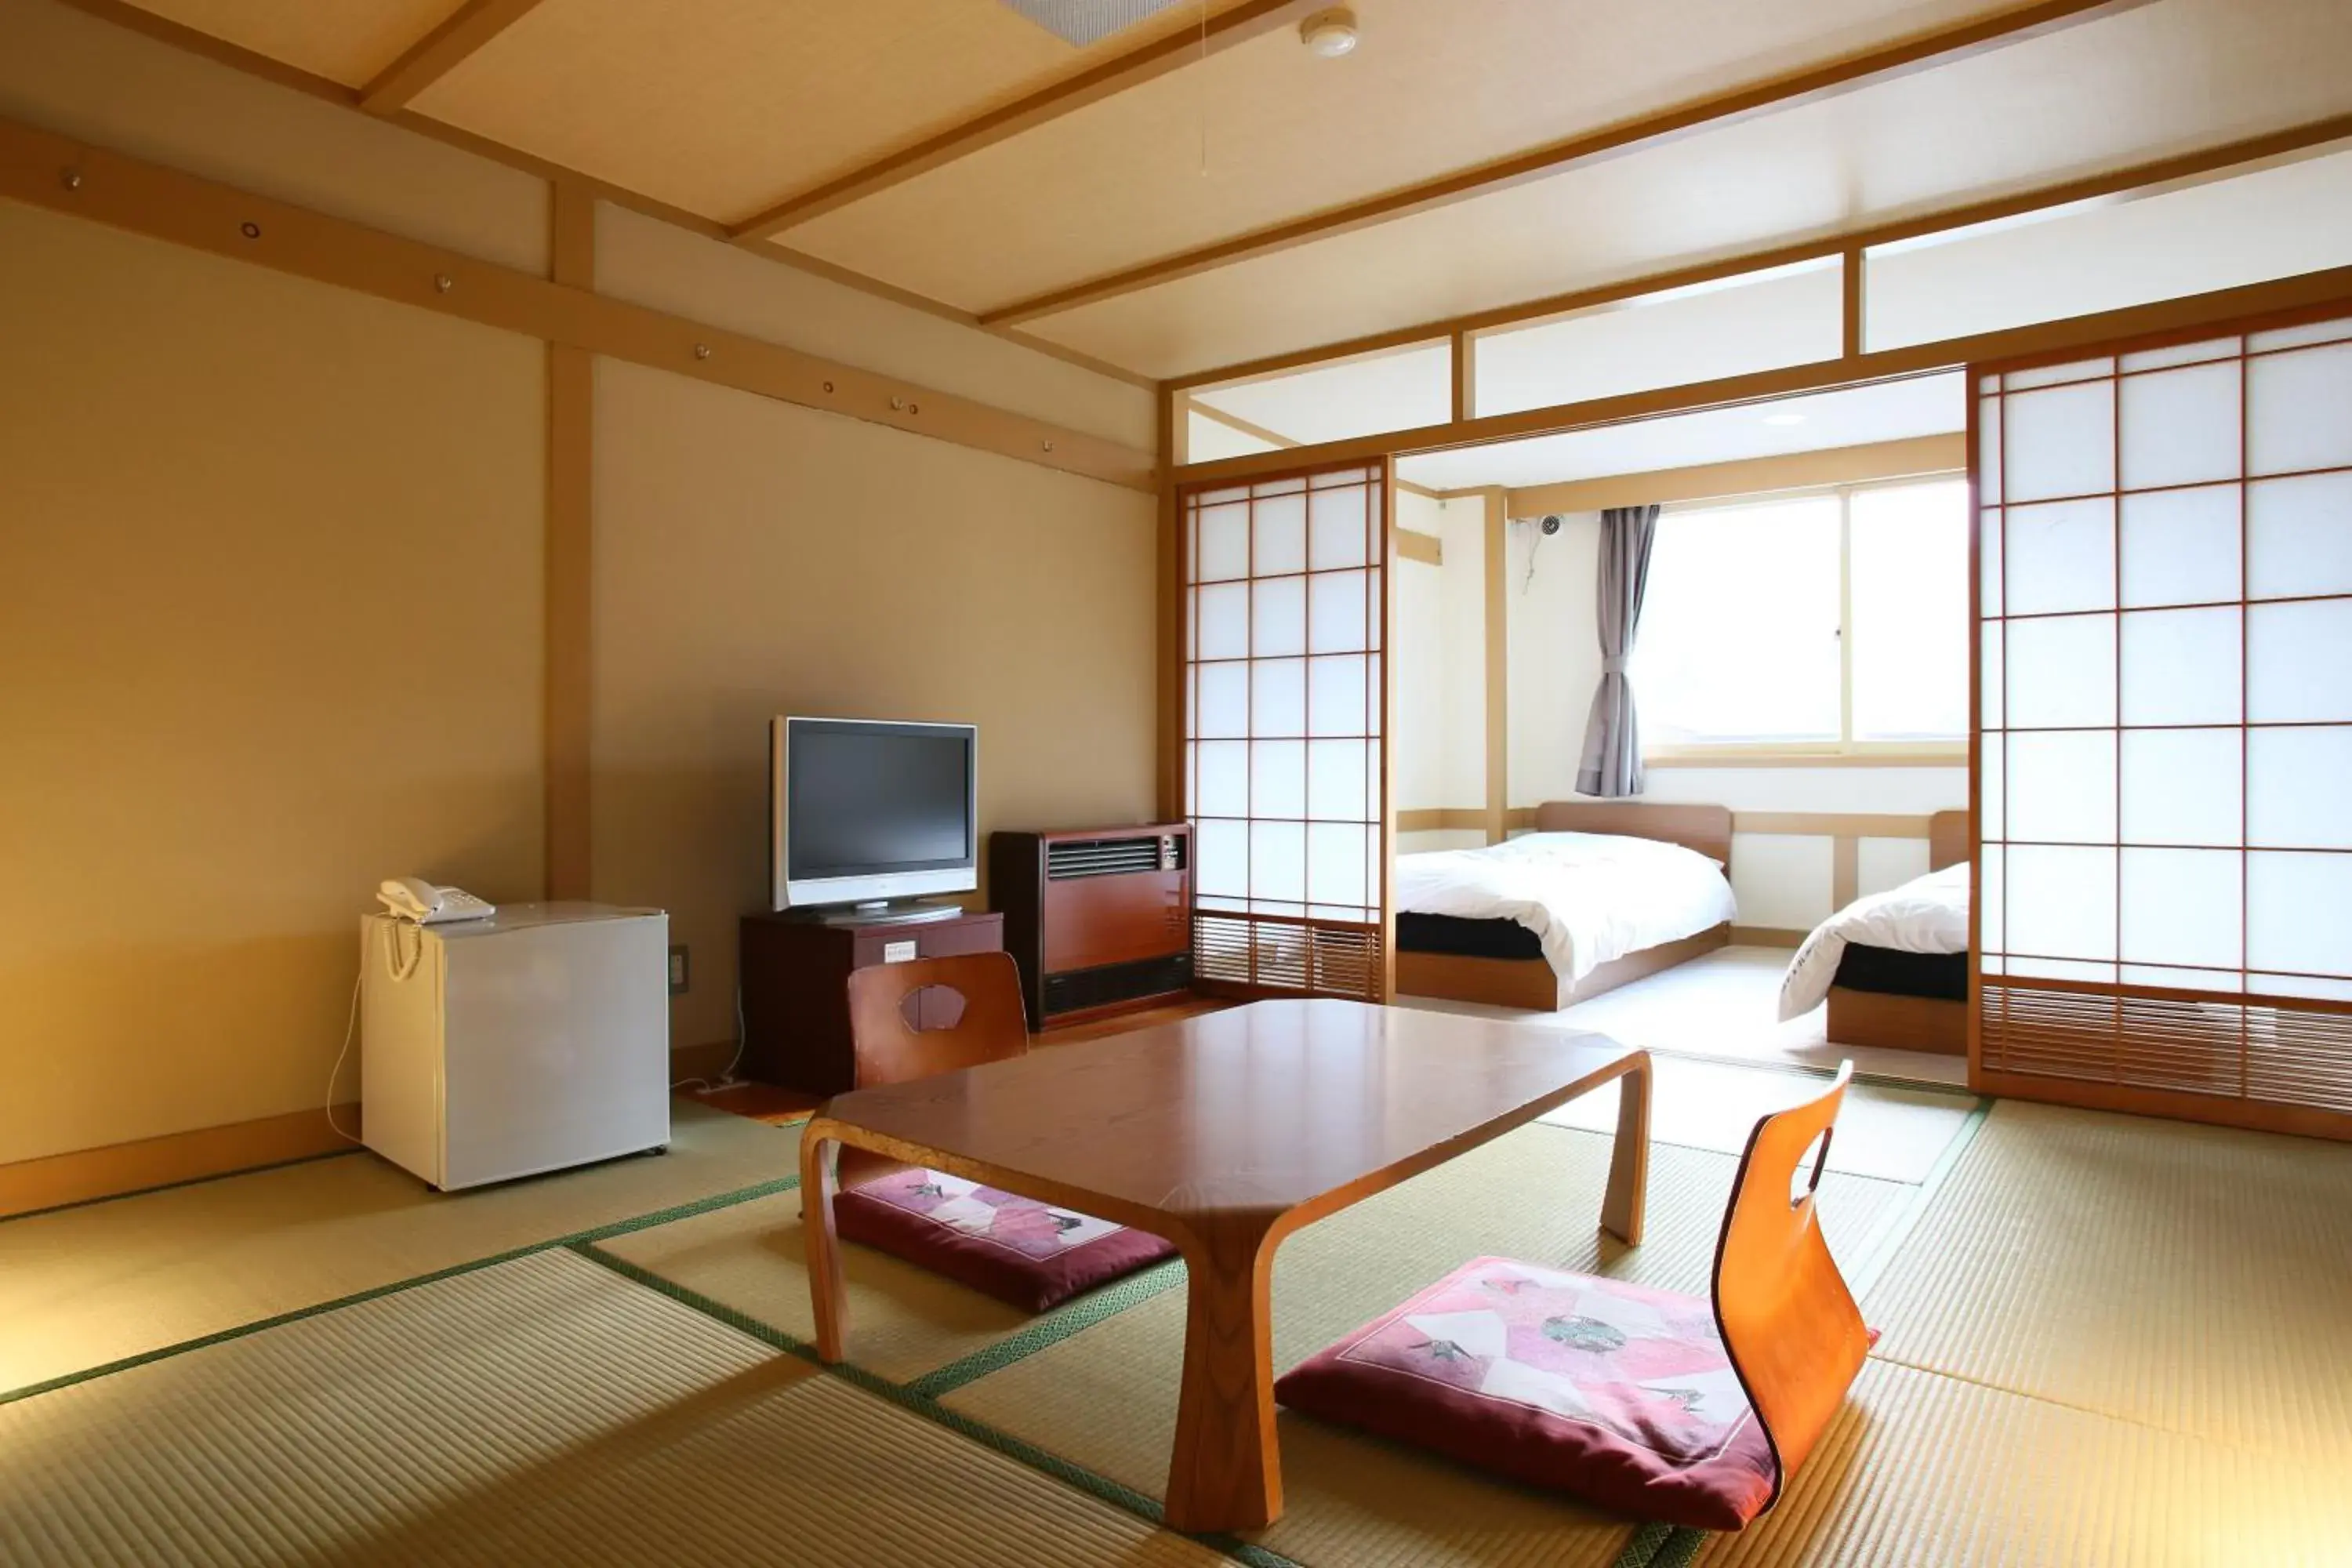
{"points": [[1440, 744]]}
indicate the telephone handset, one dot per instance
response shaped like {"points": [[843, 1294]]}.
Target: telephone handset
{"points": [[413, 898]]}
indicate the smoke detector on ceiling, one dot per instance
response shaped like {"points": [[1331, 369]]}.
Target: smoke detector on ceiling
{"points": [[1329, 32]]}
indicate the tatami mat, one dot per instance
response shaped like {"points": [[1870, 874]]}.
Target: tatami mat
{"points": [[84, 1287], [2194, 1278], [1107, 1398], [541, 1411], [1925, 1471], [904, 1322], [1894, 1134]]}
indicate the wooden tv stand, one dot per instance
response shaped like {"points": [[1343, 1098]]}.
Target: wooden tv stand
{"points": [[795, 978]]}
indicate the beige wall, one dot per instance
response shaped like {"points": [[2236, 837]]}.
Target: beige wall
{"points": [[269, 631], [271, 589], [753, 557]]}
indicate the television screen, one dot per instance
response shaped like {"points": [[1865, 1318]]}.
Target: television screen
{"points": [[870, 810]]}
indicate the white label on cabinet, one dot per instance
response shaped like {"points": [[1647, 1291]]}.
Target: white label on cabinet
{"points": [[899, 952]]}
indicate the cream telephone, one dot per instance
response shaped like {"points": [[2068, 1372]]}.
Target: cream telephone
{"points": [[413, 898]]}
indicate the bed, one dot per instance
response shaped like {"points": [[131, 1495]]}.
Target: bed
{"points": [[1652, 911], [1908, 989]]}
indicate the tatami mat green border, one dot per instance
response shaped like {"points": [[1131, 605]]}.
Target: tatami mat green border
{"points": [[594, 1233], [1863, 1275]]}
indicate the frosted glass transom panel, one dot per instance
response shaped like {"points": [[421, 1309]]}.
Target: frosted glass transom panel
{"points": [[2180, 426], [2063, 786], [1761, 321], [2299, 788], [2299, 410], [2061, 556], [2182, 786], [2181, 907], [2061, 442], [2181, 547], [2299, 536], [2299, 912], [2071, 662], [2181, 666], [2061, 900], [2299, 661]]}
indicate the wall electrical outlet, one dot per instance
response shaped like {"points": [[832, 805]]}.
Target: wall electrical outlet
{"points": [[677, 970]]}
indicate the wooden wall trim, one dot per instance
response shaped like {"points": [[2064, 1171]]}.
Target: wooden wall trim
{"points": [[441, 51], [1236, 25], [2160, 172], [249, 62], [1831, 824], [1171, 558], [1442, 819], [1848, 74], [1413, 546], [2327, 288], [1498, 667], [570, 558], [53, 172], [1254, 431], [1917, 455], [117, 1169]]}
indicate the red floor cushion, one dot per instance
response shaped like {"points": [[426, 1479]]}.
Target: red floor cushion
{"points": [[1021, 1251], [1619, 1394]]}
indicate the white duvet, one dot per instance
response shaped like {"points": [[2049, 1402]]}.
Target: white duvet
{"points": [[1927, 914], [1589, 897]]}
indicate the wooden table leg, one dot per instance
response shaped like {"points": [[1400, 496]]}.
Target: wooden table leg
{"points": [[1225, 1473], [1629, 1160], [820, 1156]]}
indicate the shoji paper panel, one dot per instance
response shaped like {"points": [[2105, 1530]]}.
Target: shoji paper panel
{"points": [[2165, 607], [1285, 614]]}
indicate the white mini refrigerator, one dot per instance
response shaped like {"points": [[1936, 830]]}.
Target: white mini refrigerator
{"points": [[533, 1040]]}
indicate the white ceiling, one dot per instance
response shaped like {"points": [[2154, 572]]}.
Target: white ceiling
{"points": [[1890, 411]]}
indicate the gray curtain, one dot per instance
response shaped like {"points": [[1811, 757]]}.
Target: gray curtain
{"points": [[1612, 764]]}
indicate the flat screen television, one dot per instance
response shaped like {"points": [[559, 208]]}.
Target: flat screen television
{"points": [[864, 810]]}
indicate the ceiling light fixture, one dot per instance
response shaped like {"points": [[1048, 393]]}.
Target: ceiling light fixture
{"points": [[1331, 33], [1784, 419]]}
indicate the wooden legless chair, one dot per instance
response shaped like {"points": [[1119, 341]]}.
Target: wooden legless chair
{"points": [[1794, 1335], [890, 1047]]}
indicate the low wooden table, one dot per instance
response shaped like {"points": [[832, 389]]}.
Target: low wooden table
{"points": [[1224, 1133]]}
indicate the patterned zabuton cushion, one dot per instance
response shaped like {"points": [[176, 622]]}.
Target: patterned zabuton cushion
{"points": [[1619, 1394], [1016, 1249]]}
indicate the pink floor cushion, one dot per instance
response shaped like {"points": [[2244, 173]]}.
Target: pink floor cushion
{"points": [[1622, 1395], [1021, 1251]]}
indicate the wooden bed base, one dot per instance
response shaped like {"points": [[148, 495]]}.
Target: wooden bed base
{"points": [[1532, 983], [1933, 1023]]}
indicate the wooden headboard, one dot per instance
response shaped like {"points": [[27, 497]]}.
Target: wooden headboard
{"points": [[1705, 828], [1948, 839]]}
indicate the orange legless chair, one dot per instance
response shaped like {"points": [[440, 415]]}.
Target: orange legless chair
{"points": [[1649, 1402]]}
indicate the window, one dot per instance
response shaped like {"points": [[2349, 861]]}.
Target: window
{"points": [[1836, 620]]}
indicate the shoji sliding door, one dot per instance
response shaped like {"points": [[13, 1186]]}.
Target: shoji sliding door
{"points": [[1285, 762], [2164, 789]]}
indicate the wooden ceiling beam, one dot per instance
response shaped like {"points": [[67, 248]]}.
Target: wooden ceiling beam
{"points": [[2154, 175], [1236, 25], [441, 51], [1837, 77]]}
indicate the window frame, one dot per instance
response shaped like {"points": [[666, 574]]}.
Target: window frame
{"points": [[1845, 750]]}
